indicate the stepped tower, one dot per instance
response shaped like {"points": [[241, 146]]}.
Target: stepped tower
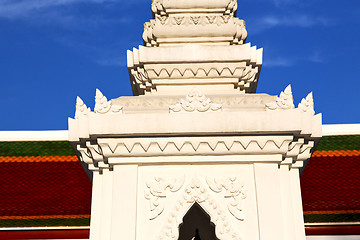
{"points": [[196, 151], [192, 43]]}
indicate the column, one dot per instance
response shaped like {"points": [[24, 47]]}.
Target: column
{"points": [[287, 202], [106, 202], [95, 219], [268, 194], [124, 202], [297, 204]]}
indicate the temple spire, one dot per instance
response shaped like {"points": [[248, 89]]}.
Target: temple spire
{"points": [[194, 43]]}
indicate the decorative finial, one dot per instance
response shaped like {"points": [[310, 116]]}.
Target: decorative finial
{"points": [[102, 105], [284, 102], [195, 101], [307, 104], [81, 108]]}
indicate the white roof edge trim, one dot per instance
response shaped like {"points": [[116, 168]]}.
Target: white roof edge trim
{"points": [[333, 224], [15, 136], [340, 129], [62, 135]]}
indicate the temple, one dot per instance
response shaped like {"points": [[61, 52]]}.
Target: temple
{"points": [[196, 151]]}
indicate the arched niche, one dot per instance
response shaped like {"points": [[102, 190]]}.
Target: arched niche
{"points": [[197, 220], [197, 193]]}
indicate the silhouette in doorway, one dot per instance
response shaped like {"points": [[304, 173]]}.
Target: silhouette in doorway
{"points": [[196, 223]]}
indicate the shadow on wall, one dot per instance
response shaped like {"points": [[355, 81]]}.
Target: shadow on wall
{"points": [[197, 225]]}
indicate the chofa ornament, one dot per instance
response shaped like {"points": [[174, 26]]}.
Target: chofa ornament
{"points": [[307, 104], [81, 108], [285, 101], [102, 105]]}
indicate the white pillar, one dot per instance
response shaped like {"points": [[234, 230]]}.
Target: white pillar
{"points": [[287, 205], [297, 204], [95, 219], [106, 201], [268, 194], [124, 202]]}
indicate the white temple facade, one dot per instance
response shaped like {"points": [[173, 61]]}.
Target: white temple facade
{"points": [[195, 141]]}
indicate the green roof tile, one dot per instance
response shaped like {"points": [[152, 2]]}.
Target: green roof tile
{"points": [[321, 218], [46, 148], [349, 142], [44, 222]]}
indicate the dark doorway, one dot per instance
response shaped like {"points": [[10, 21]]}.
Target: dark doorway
{"points": [[196, 223]]}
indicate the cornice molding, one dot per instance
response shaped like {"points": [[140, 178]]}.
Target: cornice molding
{"points": [[162, 29], [293, 152], [161, 7]]}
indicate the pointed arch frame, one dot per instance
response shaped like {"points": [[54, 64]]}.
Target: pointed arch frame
{"points": [[197, 192]]}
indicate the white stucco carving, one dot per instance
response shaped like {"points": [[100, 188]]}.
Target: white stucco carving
{"points": [[156, 193], [173, 58], [197, 49], [197, 192], [81, 108], [307, 104], [195, 101], [284, 102], [234, 191], [102, 105]]}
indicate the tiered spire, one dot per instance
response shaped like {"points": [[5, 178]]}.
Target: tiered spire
{"points": [[191, 43]]}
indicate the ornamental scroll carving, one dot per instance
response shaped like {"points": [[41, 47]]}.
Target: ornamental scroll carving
{"points": [[195, 101], [284, 102], [234, 191], [197, 192], [102, 105], [156, 193]]}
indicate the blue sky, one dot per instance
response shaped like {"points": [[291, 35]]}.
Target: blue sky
{"points": [[54, 50]]}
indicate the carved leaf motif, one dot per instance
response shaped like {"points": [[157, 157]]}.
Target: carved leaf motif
{"points": [[284, 102], [195, 101], [307, 104], [234, 191], [102, 105], [156, 193], [195, 19], [196, 192], [211, 19], [178, 20], [226, 18], [81, 108], [162, 19]]}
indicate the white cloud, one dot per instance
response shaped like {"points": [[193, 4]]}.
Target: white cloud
{"points": [[289, 61], [22, 8], [279, 62], [304, 21], [112, 62], [279, 3]]}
